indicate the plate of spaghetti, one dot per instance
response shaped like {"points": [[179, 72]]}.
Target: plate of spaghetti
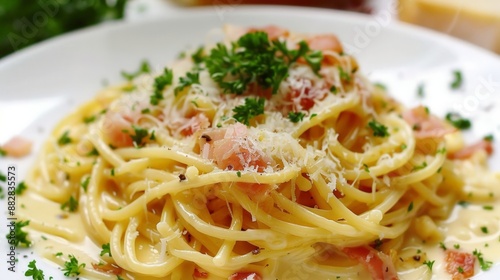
{"points": [[251, 144]]}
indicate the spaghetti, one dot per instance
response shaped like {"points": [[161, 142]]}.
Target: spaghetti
{"points": [[267, 156]]}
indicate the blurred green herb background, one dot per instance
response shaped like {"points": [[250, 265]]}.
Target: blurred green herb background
{"points": [[26, 22]]}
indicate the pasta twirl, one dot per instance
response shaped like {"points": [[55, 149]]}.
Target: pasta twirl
{"points": [[266, 156]]}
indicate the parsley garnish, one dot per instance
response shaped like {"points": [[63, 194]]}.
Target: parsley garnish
{"points": [[488, 137], [71, 204], [85, 183], [71, 267], [403, 146], [460, 269], [484, 229], [20, 236], [190, 79], [139, 135], [144, 68], [379, 130], [366, 168], [159, 85], [296, 117], [312, 116], [64, 139], [456, 246], [418, 167], [485, 265], [344, 76], [429, 264], [152, 136], [252, 108], [255, 59], [441, 151], [457, 121], [442, 246], [93, 152], [198, 56], [58, 254], [2, 152], [105, 250], [488, 207], [457, 82], [89, 119], [333, 89], [238, 173], [34, 272], [21, 187], [463, 203], [410, 207]]}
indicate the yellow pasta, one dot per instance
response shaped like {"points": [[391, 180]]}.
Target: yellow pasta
{"points": [[221, 166]]}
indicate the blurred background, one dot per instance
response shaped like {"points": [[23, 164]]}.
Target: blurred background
{"points": [[26, 22]]}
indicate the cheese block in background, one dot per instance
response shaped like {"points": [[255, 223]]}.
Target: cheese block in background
{"points": [[477, 21]]}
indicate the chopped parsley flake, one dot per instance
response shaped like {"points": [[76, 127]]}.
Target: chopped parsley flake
{"points": [[146, 111], [457, 82], [21, 187], [457, 121], [460, 269], [105, 250], [441, 151], [410, 207], [463, 203], [58, 254], [418, 167], [296, 117], [484, 229], [312, 116], [34, 272], [252, 108], [442, 246], [159, 85], [2, 152], [333, 89], [64, 139], [93, 152], [238, 174], [72, 267], [488, 207], [488, 137], [144, 68], [190, 79], [139, 135], [89, 119], [85, 183], [344, 76], [429, 264], [379, 130], [71, 204], [152, 136], [456, 246], [403, 146]]}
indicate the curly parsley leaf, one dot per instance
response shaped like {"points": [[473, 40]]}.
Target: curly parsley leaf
{"points": [[254, 59], [252, 108], [105, 250], [72, 267], [198, 56], [485, 265], [159, 85], [190, 79], [379, 130], [20, 236], [34, 272]]}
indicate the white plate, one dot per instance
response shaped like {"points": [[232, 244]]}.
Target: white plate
{"points": [[41, 84]]}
